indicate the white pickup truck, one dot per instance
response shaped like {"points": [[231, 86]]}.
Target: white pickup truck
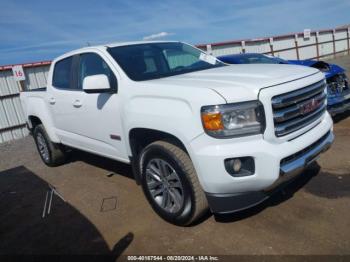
{"points": [[198, 133]]}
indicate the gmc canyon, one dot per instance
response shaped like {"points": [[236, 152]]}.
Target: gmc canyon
{"points": [[199, 134]]}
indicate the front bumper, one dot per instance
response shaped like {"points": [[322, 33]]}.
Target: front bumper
{"points": [[275, 164], [339, 108], [228, 203], [338, 104]]}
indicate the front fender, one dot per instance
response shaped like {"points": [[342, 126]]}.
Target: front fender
{"points": [[173, 116], [176, 113]]}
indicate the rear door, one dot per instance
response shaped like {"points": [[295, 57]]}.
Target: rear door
{"points": [[61, 97]]}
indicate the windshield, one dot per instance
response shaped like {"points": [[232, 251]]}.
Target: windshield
{"points": [[157, 60], [260, 59]]}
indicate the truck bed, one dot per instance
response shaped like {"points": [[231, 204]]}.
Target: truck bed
{"points": [[42, 89]]}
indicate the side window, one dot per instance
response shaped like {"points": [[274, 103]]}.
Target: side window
{"points": [[92, 64], [62, 73]]}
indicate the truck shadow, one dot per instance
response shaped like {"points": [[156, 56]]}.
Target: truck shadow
{"points": [[330, 185], [275, 199], [64, 231], [112, 166]]}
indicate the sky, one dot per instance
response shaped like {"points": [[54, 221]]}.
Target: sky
{"points": [[39, 30]]}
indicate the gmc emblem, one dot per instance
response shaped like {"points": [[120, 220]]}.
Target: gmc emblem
{"points": [[309, 106]]}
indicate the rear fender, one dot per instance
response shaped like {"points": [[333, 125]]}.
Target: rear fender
{"points": [[35, 106]]}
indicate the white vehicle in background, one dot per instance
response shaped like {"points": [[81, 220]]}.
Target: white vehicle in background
{"points": [[198, 133]]}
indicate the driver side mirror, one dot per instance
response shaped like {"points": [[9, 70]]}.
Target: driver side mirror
{"points": [[96, 84]]}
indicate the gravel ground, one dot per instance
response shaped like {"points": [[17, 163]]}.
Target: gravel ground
{"points": [[106, 213]]}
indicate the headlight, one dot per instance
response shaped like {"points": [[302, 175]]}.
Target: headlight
{"points": [[232, 120]]}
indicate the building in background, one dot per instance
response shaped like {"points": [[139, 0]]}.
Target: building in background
{"points": [[309, 44]]}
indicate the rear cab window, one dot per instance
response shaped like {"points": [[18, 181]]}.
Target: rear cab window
{"points": [[62, 73]]}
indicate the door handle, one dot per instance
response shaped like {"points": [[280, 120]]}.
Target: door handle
{"points": [[77, 103], [52, 101]]}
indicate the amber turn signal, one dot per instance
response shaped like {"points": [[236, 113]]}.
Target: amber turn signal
{"points": [[212, 121]]}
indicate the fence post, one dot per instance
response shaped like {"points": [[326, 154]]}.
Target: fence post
{"points": [[21, 86], [317, 47], [333, 39], [209, 50], [296, 46], [348, 39], [243, 46], [271, 46]]}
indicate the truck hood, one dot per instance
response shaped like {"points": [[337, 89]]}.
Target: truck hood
{"points": [[244, 79]]}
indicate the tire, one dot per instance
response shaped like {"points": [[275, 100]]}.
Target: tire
{"points": [[52, 154], [177, 196]]}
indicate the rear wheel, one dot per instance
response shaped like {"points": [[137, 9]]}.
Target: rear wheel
{"points": [[170, 183], [52, 154]]}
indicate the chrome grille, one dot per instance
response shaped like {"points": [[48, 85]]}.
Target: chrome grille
{"points": [[297, 109]]}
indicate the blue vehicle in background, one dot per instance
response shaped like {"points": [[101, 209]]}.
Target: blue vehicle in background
{"points": [[338, 99]]}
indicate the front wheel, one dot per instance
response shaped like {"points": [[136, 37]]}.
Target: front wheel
{"points": [[170, 183]]}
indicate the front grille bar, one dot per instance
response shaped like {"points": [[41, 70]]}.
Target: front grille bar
{"points": [[297, 96], [289, 127], [294, 111]]}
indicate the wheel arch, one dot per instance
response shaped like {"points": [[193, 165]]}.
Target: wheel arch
{"points": [[139, 138], [33, 121]]}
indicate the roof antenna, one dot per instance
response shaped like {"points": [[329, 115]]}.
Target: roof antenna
{"points": [[88, 44]]}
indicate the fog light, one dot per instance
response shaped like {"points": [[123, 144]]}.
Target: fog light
{"points": [[237, 164], [242, 166]]}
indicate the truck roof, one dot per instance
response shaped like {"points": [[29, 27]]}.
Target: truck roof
{"points": [[134, 43], [103, 46]]}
